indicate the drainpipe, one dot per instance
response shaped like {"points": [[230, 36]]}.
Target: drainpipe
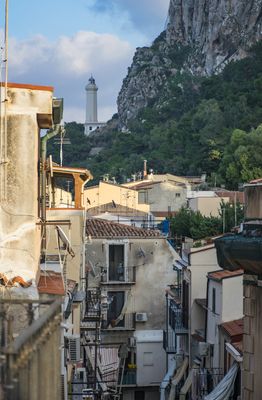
{"points": [[50, 133], [189, 313]]}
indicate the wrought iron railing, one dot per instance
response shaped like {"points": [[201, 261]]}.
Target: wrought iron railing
{"points": [[169, 341], [120, 276], [129, 377], [178, 317], [126, 323]]}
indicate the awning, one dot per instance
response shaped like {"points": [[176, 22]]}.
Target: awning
{"points": [[177, 378], [225, 388]]}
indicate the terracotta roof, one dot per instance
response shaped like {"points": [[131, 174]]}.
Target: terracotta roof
{"points": [[224, 274], [51, 283], [118, 210], [238, 346], [99, 228], [233, 328]]}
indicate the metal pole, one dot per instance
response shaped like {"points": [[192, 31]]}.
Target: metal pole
{"points": [[5, 100]]}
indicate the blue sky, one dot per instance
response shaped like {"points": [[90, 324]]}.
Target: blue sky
{"points": [[61, 42]]}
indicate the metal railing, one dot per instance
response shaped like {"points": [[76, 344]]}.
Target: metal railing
{"points": [[169, 341], [205, 380], [126, 323], [178, 318], [129, 377], [120, 276]]}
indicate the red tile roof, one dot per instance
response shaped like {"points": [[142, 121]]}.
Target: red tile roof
{"points": [[223, 274], [100, 228], [51, 283], [234, 328]]}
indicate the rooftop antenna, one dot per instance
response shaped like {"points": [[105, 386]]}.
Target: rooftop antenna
{"points": [[62, 140]]}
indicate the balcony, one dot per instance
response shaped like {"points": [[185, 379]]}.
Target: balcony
{"points": [[169, 341], [129, 377], [121, 275], [125, 324], [178, 318]]}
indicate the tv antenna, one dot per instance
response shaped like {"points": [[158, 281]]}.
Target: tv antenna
{"points": [[62, 140]]}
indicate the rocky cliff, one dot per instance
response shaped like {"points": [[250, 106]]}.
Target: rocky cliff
{"points": [[201, 37]]}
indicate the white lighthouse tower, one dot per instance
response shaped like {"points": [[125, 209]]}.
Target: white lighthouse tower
{"points": [[91, 123]]}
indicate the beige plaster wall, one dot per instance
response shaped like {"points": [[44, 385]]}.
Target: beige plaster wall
{"points": [[106, 192], [19, 235], [154, 272], [207, 206]]}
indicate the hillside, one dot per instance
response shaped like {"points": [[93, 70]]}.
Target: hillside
{"points": [[205, 124]]}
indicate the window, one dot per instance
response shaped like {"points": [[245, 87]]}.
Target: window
{"points": [[116, 262], [213, 300], [117, 300], [143, 197], [178, 195], [90, 128]]}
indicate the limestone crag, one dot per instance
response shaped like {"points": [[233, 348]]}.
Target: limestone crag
{"points": [[201, 37], [219, 30]]}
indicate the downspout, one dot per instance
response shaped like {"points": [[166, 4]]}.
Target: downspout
{"points": [[207, 290], [189, 312], [50, 133]]}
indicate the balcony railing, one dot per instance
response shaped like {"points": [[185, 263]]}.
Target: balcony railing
{"points": [[178, 318], [127, 323], [169, 341], [122, 275], [129, 377]]}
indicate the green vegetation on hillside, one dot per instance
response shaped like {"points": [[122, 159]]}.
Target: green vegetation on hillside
{"points": [[195, 125]]}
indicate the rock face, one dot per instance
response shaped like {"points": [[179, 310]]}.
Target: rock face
{"points": [[202, 36]]}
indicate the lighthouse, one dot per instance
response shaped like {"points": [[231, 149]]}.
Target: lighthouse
{"points": [[91, 123]]}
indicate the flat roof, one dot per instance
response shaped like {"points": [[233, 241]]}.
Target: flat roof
{"points": [[27, 86]]}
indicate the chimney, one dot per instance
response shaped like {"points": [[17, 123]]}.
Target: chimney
{"points": [[145, 169]]}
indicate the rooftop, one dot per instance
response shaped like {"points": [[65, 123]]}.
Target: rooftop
{"points": [[233, 328], [99, 228], [224, 274]]}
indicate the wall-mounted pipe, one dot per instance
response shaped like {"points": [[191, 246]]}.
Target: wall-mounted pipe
{"points": [[50, 133]]}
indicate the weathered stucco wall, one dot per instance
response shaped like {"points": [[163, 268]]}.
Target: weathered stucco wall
{"points": [[154, 271], [19, 234]]}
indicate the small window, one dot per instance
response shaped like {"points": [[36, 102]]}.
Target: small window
{"points": [[213, 300], [177, 194], [90, 128]]}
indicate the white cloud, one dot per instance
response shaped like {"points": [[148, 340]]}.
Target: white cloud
{"points": [[67, 65]]}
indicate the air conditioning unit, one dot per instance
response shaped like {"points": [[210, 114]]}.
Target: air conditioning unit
{"points": [[203, 349], [131, 342], [141, 317], [74, 348]]}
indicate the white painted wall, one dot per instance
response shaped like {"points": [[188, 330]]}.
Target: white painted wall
{"points": [[150, 358], [232, 303]]}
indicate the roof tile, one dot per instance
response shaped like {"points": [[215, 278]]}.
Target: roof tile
{"points": [[223, 274], [99, 228]]}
